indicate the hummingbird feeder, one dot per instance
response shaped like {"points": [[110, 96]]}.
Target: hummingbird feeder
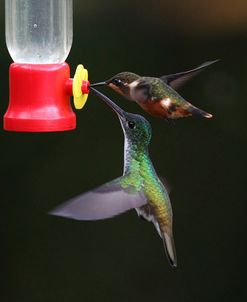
{"points": [[39, 37]]}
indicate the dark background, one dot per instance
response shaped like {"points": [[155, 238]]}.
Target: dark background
{"points": [[47, 258]]}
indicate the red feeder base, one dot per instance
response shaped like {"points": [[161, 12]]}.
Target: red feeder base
{"points": [[39, 101]]}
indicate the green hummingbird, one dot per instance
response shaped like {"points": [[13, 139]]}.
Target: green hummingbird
{"points": [[157, 96], [138, 188]]}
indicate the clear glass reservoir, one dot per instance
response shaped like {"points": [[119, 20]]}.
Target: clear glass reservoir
{"points": [[39, 31]]}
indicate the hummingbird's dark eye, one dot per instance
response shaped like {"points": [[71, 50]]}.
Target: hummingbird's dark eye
{"points": [[117, 82], [131, 125]]}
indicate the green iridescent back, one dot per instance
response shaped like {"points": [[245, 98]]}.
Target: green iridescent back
{"points": [[161, 90]]}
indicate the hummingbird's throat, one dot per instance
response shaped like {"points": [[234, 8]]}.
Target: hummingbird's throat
{"points": [[134, 155], [124, 90]]}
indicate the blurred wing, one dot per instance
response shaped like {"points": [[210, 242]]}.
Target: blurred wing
{"points": [[176, 80], [103, 202], [165, 183]]}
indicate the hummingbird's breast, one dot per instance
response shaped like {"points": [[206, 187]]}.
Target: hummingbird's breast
{"points": [[159, 202], [158, 197], [140, 172], [164, 108], [154, 108]]}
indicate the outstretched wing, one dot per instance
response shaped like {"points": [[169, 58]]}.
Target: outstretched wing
{"points": [[176, 80], [103, 202]]}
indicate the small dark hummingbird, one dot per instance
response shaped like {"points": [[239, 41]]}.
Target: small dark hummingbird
{"points": [[139, 187], [157, 95]]}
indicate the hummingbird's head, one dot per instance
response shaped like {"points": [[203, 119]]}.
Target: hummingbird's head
{"points": [[136, 128], [120, 82]]}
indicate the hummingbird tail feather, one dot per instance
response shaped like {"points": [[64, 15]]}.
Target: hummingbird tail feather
{"points": [[169, 246], [196, 111], [165, 233]]}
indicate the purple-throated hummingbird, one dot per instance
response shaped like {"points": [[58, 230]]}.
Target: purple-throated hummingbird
{"points": [[157, 95], [139, 187]]}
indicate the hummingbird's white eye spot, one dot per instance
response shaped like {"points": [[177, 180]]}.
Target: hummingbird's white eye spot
{"points": [[131, 125]]}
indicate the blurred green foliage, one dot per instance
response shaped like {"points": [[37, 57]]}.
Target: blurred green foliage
{"points": [[53, 259]]}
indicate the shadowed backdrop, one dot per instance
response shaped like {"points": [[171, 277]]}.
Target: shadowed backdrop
{"points": [[46, 258]]}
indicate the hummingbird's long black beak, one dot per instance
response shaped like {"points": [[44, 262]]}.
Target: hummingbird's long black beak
{"points": [[109, 102], [98, 84]]}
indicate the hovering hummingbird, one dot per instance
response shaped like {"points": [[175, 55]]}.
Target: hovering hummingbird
{"points": [[139, 187], [157, 95]]}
